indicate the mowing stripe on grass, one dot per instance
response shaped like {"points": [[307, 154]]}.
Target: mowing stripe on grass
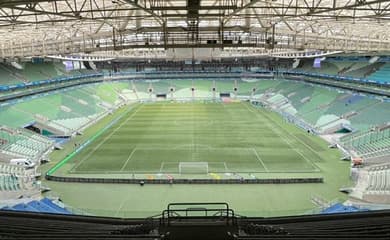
{"points": [[279, 133], [261, 161], [299, 140], [106, 138], [130, 155], [142, 145], [86, 143]]}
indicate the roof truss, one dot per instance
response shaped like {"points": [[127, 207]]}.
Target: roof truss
{"points": [[72, 25]]}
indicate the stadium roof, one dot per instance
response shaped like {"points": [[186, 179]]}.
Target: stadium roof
{"points": [[39, 28]]}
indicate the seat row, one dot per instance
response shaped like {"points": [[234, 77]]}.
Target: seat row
{"points": [[379, 180], [44, 205], [9, 182]]}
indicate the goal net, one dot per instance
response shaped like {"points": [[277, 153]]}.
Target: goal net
{"points": [[193, 168]]}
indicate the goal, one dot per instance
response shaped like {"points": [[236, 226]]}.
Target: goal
{"points": [[193, 167]]}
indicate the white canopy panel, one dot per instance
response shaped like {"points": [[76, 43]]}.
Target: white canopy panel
{"points": [[52, 27]]}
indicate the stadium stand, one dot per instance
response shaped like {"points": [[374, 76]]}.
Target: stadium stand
{"points": [[67, 111], [80, 108], [312, 109], [12, 169], [370, 116], [356, 69], [60, 69], [349, 103], [365, 71], [370, 144], [309, 102], [22, 143], [340, 208], [319, 106], [382, 74], [36, 72], [44, 205], [8, 76], [372, 185], [9, 183], [38, 75], [96, 93], [16, 181], [378, 180], [72, 123], [326, 67], [321, 109]]}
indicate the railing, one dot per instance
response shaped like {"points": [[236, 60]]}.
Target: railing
{"points": [[184, 180], [4, 88], [185, 212]]}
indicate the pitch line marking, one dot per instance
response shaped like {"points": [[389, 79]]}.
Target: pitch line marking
{"points": [[260, 160], [299, 140], [226, 168], [130, 155], [279, 134], [280, 130], [105, 139], [121, 206], [161, 167]]}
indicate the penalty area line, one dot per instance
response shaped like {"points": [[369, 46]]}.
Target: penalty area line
{"points": [[259, 158]]}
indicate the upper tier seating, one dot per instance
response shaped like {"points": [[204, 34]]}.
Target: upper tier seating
{"points": [[382, 74], [359, 69], [8, 76], [32, 72]]}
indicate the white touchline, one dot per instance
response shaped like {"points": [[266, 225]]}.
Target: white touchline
{"points": [[106, 138], [281, 137], [121, 206], [299, 140], [260, 160], [226, 168], [161, 167], [130, 155]]}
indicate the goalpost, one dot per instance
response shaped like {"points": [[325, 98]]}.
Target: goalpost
{"points": [[193, 167]]}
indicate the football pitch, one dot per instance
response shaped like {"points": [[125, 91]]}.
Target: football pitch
{"points": [[197, 137]]}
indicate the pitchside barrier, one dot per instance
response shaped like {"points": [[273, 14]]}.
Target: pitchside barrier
{"points": [[185, 181]]}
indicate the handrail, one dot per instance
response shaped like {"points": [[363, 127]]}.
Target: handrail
{"points": [[210, 210]]}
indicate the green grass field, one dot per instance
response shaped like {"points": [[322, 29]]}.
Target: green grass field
{"points": [[229, 137], [245, 139]]}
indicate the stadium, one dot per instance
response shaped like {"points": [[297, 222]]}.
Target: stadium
{"points": [[175, 119]]}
